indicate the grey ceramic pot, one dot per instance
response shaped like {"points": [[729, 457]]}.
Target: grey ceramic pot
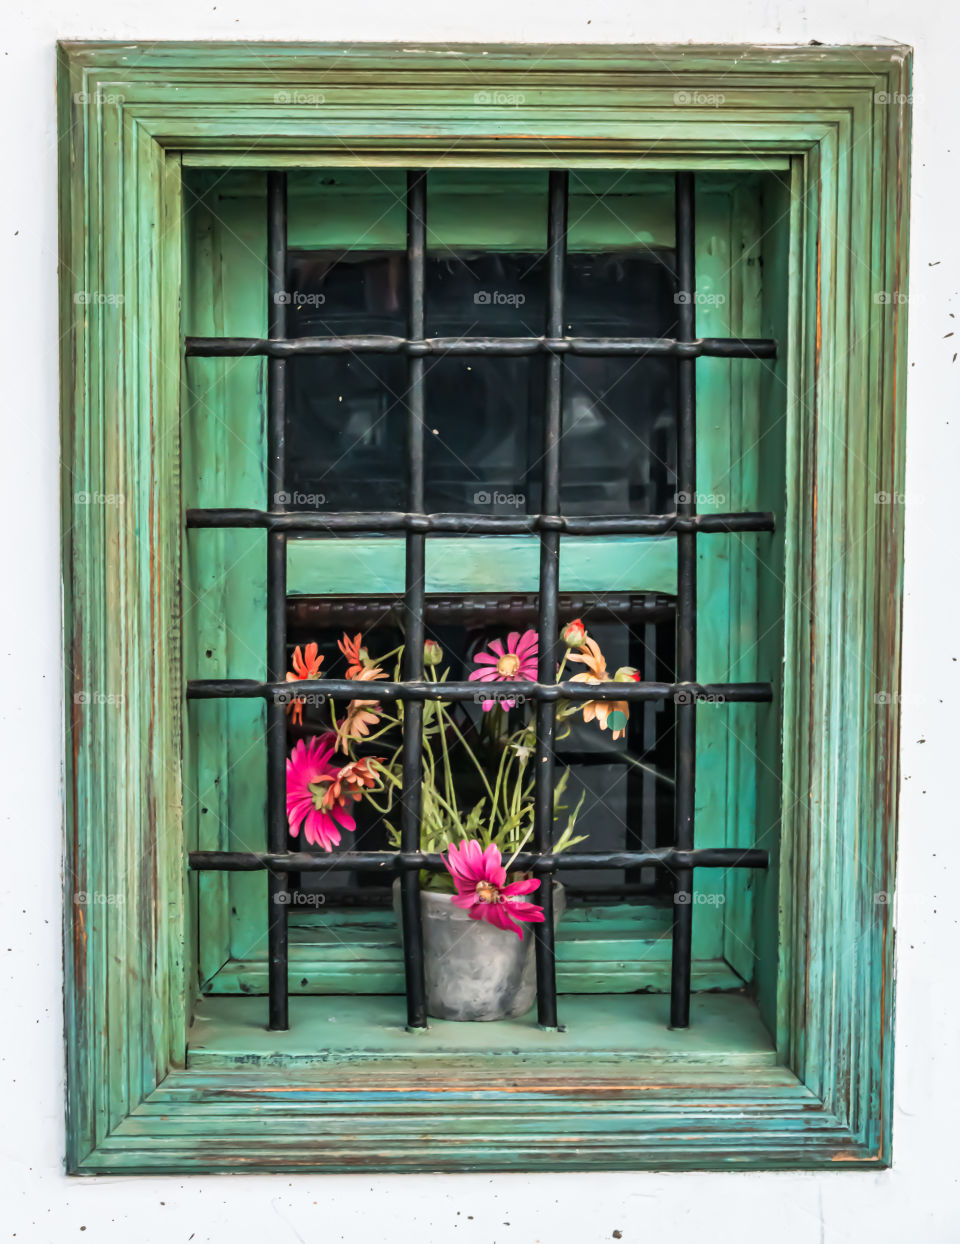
{"points": [[473, 970]]}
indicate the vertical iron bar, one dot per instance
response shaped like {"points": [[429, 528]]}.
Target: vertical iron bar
{"points": [[413, 606], [547, 608], [686, 616], [277, 883]]}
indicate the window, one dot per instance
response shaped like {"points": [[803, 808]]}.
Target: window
{"points": [[339, 393], [663, 363]]}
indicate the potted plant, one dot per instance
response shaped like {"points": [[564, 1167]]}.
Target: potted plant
{"points": [[477, 797]]}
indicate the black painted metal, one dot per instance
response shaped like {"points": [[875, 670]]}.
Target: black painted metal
{"points": [[412, 861], [482, 524], [453, 692], [473, 609], [548, 616], [680, 859], [413, 605], [490, 347], [278, 882], [686, 616]]}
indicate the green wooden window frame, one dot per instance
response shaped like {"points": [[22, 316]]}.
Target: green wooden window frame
{"points": [[130, 119]]}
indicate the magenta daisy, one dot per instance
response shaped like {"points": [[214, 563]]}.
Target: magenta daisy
{"points": [[513, 662], [311, 773], [479, 877]]}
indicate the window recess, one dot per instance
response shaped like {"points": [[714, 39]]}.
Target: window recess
{"points": [[494, 377]]}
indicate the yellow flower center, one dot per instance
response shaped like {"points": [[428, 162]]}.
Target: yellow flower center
{"points": [[487, 892], [508, 664]]}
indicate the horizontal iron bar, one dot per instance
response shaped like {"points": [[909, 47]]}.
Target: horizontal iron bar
{"points": [[344, 688], [472, 609], [526, 861], [482, 524], [632, 347]]}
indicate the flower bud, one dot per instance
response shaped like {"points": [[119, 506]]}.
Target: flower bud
{"points": [[626, 673], [574, 633], [432, 652]]}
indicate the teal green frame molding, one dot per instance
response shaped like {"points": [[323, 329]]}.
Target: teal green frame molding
{"points": [[129, 116]]}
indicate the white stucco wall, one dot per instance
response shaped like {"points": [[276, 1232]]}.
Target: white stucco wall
{"points": [[918, 1199]]}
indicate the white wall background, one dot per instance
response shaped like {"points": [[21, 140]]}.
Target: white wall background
{"points": [[918, 1199]]}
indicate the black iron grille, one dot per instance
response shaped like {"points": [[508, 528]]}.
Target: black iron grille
{"points": [[686, 524]]}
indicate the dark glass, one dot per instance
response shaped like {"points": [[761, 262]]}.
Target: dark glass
{"points": [[346, 421]]}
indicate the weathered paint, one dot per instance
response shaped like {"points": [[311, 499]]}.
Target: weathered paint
{"points": [[131, 1105]]}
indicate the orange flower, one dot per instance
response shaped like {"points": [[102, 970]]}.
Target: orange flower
{"points": [[361, 714], [305, 665], [355, 654], [353, 778], [609, 714]]}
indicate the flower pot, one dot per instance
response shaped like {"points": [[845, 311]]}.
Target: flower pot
{"points": [[473, 970]]}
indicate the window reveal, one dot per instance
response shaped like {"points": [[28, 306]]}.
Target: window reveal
{"points": [[419, 519]]}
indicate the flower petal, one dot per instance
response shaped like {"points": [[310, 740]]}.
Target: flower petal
{"points": [[521, 887], [484, 675], [527, 643]]}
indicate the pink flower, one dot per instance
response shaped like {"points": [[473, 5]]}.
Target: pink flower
{"points": [[311, 773], [516, 662], [479, 877]]}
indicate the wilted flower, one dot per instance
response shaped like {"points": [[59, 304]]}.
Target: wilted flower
{"points": [[354, 778], [609, 714], [515, 662], [361, 714], [479, 877]]}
